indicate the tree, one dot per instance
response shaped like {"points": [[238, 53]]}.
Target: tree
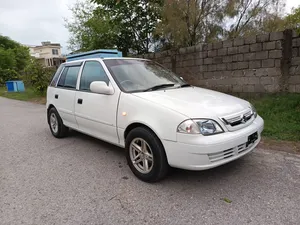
{"points": [[247, 17], [37, 75], [13, 59], [102, 32], [7, 43], [80, 32], [127, 25], [140, 26], [133, 22], [292, 21], [189, 22], [7, 59], [278, 23]]}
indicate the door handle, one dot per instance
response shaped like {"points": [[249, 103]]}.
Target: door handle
{"points": [[79, 101], [56, 96]]}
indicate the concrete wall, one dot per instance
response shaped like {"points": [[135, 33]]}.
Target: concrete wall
{"points": [[294, 68], [262, 64]]}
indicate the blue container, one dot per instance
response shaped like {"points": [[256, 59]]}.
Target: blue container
{"points": [[100, 53], [20, 86], [15, 86], [11, 86]]}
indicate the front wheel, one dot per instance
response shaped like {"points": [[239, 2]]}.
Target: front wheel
{"points": [[145, 155]]}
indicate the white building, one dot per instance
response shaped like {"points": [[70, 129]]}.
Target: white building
{"points": [[49, 54]]}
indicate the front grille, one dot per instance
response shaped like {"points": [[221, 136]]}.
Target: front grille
{"points": [[241, 119], [214, 157], [218, 156], [238, 120], [242, 148]]}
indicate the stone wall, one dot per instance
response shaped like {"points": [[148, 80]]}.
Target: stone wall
{"points": [[262, 64], [294, 68]]}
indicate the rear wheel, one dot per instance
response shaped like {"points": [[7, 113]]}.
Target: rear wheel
{"points": [[145, 155], [58, 129]]}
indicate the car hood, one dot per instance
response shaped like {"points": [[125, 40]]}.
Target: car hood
{"points": [[196, 102]]}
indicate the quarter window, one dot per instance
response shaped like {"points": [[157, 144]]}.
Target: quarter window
{"points": [[68, 78], [56, 76], [92, 71]]}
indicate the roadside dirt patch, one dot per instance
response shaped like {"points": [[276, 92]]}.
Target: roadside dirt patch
{"points": [[41, 100], [277, 145]]}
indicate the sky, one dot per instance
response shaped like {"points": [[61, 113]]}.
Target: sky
{"points": [[32, 21]]}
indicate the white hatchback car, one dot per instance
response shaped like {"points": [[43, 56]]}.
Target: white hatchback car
{"points": [[157, 117]]}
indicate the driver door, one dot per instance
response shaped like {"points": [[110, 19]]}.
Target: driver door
{"points": [[96, 113]]}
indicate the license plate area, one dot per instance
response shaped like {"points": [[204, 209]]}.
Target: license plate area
{"points": [[252, 138]]}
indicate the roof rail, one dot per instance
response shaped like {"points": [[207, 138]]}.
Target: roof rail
{"points": [[99, 53]]}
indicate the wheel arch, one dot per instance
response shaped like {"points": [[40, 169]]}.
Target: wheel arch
{"points": [[134, 125]]}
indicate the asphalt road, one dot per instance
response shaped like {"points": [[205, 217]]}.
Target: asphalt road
{"points": [[81, 180]]}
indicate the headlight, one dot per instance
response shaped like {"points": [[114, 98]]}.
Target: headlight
{"points": [[188, 127], [200, 126], [254, 112]]}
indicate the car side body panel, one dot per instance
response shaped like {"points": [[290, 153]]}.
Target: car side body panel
{"points": [[161, 120], [96, 115], [63, 100]]}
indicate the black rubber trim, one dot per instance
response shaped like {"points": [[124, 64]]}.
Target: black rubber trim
{"points": [[92, 53]]}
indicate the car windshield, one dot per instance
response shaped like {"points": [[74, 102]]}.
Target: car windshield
{"points": [[134, 75]]}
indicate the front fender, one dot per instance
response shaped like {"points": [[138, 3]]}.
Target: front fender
{"points": [[161, 120]]}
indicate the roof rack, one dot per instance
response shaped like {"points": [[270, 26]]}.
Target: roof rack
{"points": [[99, 53]]}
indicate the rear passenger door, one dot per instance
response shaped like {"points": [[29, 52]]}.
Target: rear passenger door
{"points": [[96, 113], [64, 95]]}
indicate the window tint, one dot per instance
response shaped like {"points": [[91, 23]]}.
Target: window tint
{"points": [[92, 71], [68, 78], [56, 76]]}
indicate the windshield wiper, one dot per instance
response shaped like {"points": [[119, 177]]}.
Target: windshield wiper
{"points": [[185, 85], [156, 87]]}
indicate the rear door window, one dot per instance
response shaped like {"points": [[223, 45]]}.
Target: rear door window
{"points": [[68, 78]]}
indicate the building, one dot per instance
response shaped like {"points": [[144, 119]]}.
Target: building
{"points": [[49, 54]]}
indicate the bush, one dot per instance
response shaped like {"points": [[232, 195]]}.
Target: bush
{"points": [[13, 59], [8, 74], [37, 76]]}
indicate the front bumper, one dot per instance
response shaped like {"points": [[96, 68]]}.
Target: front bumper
{"points": [[197, 152]]}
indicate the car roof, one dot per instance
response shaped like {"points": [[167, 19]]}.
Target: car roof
{"points": [[103, 59]]}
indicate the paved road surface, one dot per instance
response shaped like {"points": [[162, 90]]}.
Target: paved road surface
{"points": [[81, 180]]}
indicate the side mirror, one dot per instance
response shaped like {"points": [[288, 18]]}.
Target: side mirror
{"points": [[101, 87]]}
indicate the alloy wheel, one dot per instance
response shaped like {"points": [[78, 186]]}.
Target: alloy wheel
{"points": [[141, 155], [53, 123]]}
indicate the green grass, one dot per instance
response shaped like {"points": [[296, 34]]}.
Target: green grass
{"points": [[227, 200], [28, 95], [281, 113]]}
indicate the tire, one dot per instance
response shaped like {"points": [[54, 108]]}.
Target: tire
{"points": [[157, 168], [59, 130]]}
